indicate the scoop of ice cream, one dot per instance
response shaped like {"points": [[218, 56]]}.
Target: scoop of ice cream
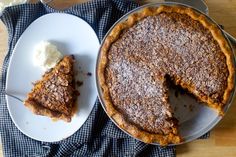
{"points": [[46, 55]]}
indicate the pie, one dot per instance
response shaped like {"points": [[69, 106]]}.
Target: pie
{"points": [[141, 53], [55, 94]]}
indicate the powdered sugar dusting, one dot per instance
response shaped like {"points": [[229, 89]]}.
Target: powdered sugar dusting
{"points": [[167, 44], [137, 80], [136, 91]]}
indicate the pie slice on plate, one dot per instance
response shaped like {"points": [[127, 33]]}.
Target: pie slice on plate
{"points": [[55, 94]]}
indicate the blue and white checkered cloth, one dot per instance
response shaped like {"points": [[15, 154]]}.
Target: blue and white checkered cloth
{"points": [[98, 136]]}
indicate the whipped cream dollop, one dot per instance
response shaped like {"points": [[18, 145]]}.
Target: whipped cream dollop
{"points": [[46, 55], [7, 3]]}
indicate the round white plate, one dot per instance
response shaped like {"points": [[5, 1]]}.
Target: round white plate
{"points": [[71, 35]]}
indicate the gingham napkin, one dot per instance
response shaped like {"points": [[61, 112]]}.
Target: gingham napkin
{"points": [[98, 136]]}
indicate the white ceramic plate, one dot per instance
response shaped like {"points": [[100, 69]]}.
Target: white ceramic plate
{"points": [[71, 35]]}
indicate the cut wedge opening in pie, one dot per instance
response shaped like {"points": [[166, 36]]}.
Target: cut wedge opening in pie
{"points": [[151, 44], [55, 94]]}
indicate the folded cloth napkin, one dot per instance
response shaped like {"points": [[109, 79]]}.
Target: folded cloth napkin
{"points": [[98, 136]]}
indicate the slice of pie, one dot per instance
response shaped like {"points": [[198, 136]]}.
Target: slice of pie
{"points": [[55, 94], [155, 43]]}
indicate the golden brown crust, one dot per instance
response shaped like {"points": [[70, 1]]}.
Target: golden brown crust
{"points": [[40, 110], [114, 35]]}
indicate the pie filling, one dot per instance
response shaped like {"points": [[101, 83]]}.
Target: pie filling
{"points": [[167, 43], [141, 94]]}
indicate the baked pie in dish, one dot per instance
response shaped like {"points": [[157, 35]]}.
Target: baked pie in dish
{"points": [[140, 53]]}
